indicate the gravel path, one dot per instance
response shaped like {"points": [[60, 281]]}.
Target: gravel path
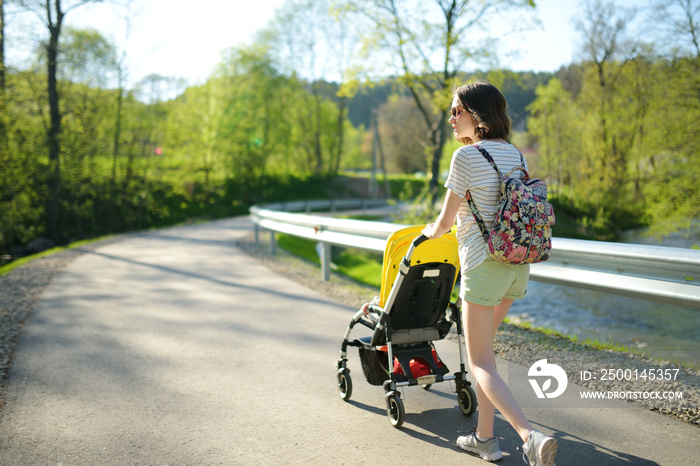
{"points": [[21, 289]]}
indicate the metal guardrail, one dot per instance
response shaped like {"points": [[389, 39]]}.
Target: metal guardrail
{"points": [[656, 273]]}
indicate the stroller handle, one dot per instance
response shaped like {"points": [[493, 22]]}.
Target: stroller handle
{"points": [[419, 240]]}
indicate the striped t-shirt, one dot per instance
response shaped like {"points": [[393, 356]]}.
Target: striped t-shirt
{"points": [[470, 170]]}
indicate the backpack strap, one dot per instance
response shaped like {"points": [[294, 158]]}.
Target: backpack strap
{"points": [[477, 217], [489, 159], [472, 206]]}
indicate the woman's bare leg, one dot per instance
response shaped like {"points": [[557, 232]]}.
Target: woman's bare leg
{"points": [[487, 411], [480, 324]]}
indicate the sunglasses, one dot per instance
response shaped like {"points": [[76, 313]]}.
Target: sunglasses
{"points": [[455, 111]]}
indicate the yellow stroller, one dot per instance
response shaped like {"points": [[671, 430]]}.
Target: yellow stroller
{"points": [[412, 311]]}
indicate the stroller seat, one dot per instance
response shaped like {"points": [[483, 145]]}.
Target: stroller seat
{"points": [[412, 311]]}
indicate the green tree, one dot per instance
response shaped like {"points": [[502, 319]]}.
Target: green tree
{"points": [[52, 14], [558, 126], [622, 137], [425, 44], [405, 149], [194, 135], [681, 25], [308, 43], [5, 192], [669, 150], [603, 26], [22, 206], [88, 66]]}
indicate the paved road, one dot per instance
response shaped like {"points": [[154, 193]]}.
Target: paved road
{"points": [[175, 347]]}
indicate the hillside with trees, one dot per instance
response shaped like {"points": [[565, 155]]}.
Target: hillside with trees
{"points": [[83, 155]]}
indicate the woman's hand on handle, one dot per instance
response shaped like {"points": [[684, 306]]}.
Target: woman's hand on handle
{"points": [[431, 231]]}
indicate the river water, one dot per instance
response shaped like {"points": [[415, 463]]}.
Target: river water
{"points": [[663, 330]]}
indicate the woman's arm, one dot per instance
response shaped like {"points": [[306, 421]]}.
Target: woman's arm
{"points": [[447, 216]]}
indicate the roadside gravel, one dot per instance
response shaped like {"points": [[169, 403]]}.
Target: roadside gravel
{"points": [[22, 288]]}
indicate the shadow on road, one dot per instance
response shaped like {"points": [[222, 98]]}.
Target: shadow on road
{"points": [[189, 274], [441, 427]]}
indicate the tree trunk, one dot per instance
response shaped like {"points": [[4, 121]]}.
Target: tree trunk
{"points": [[317, 131], [4, 152], [5, 191], [128, 173], [2, 48], [115, 153], [54, 131], [382, 164], [438, 142], [335, 168]]}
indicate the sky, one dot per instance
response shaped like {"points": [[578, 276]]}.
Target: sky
{"points": [[172, 38]]}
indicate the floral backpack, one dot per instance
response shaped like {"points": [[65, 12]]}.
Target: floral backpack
{"points": [[522, 230]]}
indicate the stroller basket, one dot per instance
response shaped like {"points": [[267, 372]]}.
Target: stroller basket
{"points": [[374, 365], [413, 310]]}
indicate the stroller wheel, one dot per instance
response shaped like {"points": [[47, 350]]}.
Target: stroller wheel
{"points": [[344, 384], [427, 386], [466, 399], [395, 410]]}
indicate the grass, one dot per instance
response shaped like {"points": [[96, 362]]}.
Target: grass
{"points": [[7, 268], [362, 266], [595, 344], [299, 247]]}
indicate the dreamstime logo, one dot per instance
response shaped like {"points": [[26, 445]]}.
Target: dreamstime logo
{"points": [[543, 369]]}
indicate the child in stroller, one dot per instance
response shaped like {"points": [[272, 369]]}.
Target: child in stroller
{"points": [[412, 311]]}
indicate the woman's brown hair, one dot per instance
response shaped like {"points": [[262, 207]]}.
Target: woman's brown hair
{"points": [[488, 107]]}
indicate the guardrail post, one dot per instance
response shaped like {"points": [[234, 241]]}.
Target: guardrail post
{"points": [[325, 261], [273, 243]]}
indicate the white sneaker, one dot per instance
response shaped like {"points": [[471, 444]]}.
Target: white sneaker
{"points": [[539, 449], [488, 450]]}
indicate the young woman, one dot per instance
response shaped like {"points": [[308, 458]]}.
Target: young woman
{"points": [[488, 287]]}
